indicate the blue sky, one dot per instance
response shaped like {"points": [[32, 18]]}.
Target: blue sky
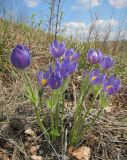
{"points": [[79, 10], [78, 13]]}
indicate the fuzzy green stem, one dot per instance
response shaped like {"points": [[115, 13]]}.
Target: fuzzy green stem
{"points": [[62, 116], [52, 120], [40, 122], [90, 125], [35, 107], [52, 117], [41, 105], [77, 114], [57, 116], [30, 87], [90, 107]]}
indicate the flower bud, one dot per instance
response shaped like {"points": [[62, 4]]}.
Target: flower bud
{"points": [[20, 57]]}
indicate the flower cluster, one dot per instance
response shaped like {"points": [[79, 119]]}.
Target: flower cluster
{"points": [[110, 86], [53, 77], [66, 63]]}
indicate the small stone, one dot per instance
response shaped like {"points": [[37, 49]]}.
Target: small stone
{"points": [[30, 132], [33, 150], [34, 157], [82, 153]]}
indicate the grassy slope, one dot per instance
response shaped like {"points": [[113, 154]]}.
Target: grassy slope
{"points": [[12, 92]]}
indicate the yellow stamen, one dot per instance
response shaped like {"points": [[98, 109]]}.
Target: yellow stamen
{"points": [[109, 86], [94, 77], [43, 82]]}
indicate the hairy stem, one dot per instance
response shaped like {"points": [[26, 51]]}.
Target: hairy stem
{"points": [[35, 107]]}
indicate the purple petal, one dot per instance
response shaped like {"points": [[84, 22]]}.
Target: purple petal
{"points": [[102, 78], [56, 49], [111, 80], [117, 85], [64, 68], [100, 55], [20, 57], [55, 44], [55, 82], [112, 85], [92, 57], [107, 62], [95, 77], [110, 91], [75, 57], [39, 77], [69, 53], [72, 67], [94, 72], [90, 52], [108, 88]]}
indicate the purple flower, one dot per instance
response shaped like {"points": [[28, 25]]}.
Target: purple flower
{"points": [[70, 63], [95, 77], [107, 62], [51, 78], [20, 57], [43, 78], [72, 67], [112, 85], [94, 57], [64, 68], [69, 54], [56, 49], [55, 80]]}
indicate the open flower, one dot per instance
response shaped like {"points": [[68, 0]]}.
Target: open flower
{"points": [[70, 63], [69, 54], [112, 85], [95, 77], [56, 49], [107, 62], [94, 57], [64, 68], [55, 80], [20, 57], [43, 78]]}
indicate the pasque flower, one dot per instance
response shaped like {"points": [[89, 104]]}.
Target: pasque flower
{"points": [[112, 85], [107, 62], [64, 68], [95, 77], [56, 49], [71, 55], [20, 57], [55, 80], [70, 63], [43, 78], [94, 56], [51, 78]]}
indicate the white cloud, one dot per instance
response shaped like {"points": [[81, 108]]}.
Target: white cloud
{"points": [[103, 24], [81, 30], [32, 3], [118, 3], [76, 29], [86, 4]]}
